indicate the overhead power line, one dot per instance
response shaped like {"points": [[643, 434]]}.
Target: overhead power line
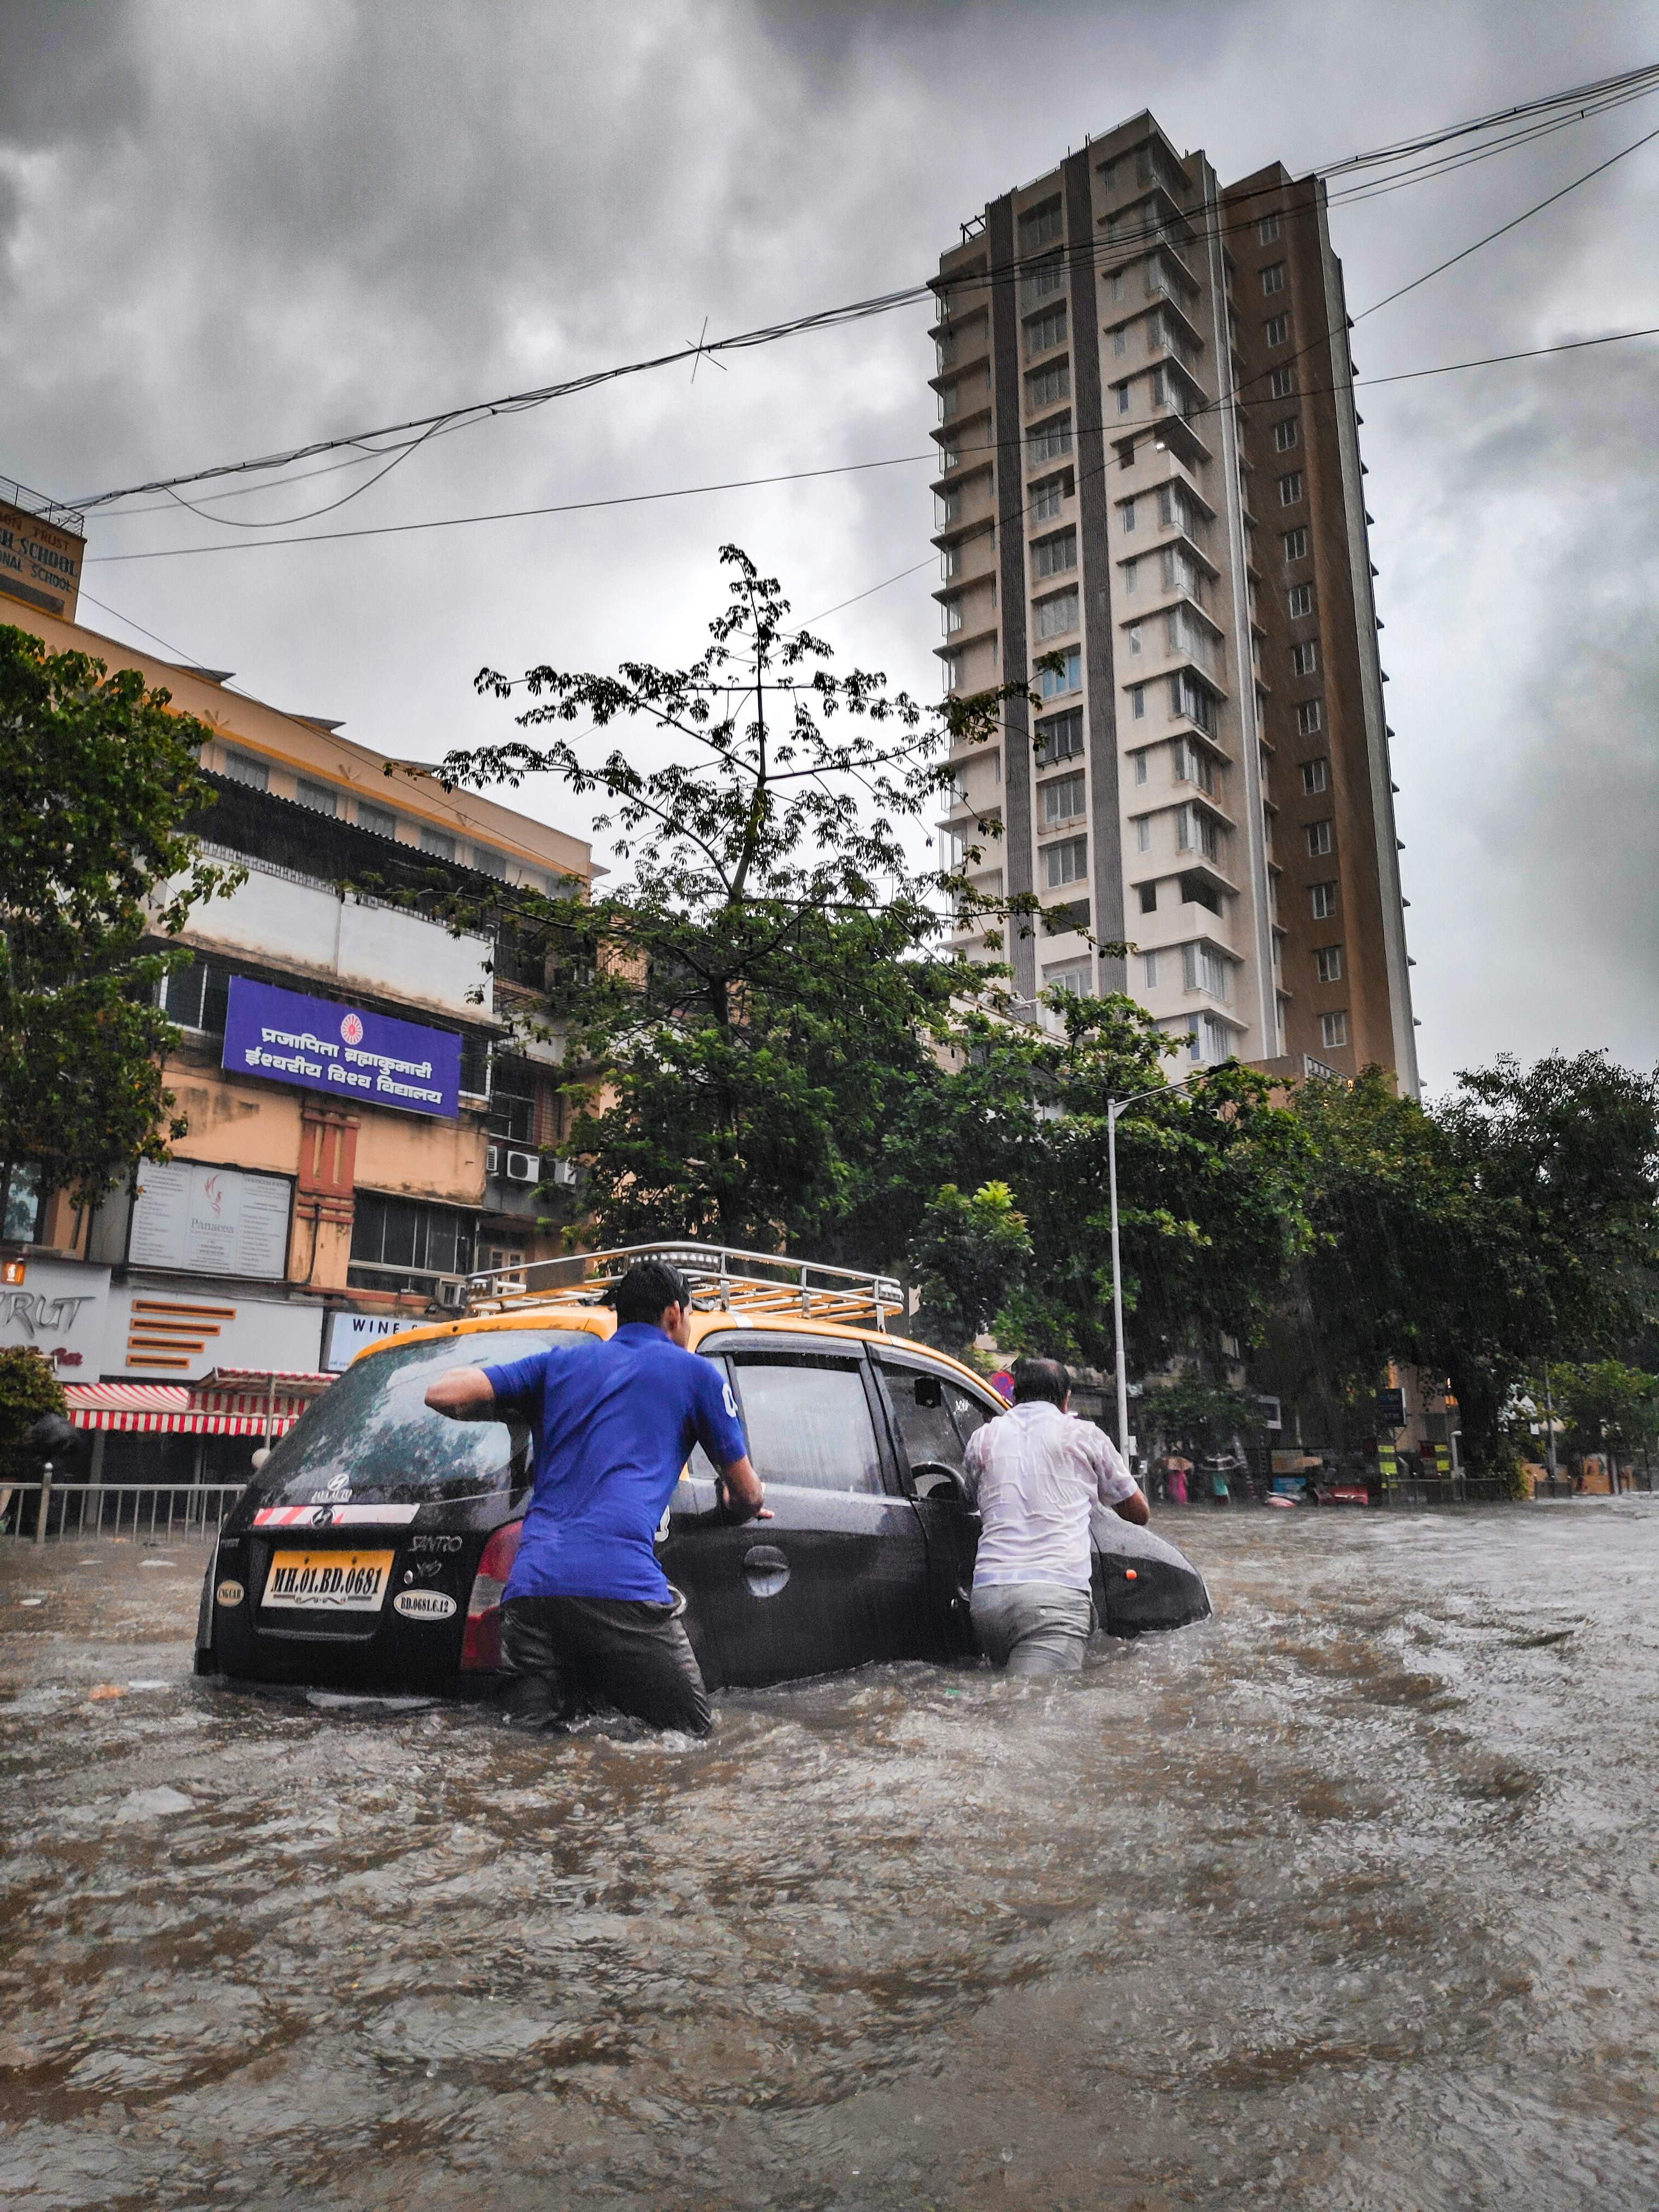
{"points": [[805, 476], [1514, 124]]}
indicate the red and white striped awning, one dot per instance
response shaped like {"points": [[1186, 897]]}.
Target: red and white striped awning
{"points": [[175, 1409]]}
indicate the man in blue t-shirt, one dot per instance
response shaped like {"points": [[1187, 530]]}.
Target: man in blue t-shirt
{"points": [[587, 1611]]}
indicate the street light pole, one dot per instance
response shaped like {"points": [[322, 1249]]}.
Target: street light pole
{"points": [[1115, 1108]]}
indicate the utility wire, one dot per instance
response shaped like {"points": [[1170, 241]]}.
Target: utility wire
{"points": [[1608, 91], [806, 476]]}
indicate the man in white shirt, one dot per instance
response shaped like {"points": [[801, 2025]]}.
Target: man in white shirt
{"points": [[1035, 1474]]}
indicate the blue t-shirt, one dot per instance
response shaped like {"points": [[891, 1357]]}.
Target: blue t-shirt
{"points": [[613, 1421]]}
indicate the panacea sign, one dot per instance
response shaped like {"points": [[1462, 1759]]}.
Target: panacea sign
{"points": [[364, 1059]]}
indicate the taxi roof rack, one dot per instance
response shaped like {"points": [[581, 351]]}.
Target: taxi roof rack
{"points": [[722, 1280]]}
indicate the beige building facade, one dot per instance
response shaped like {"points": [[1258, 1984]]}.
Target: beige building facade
{"points": [[1150, 480]]}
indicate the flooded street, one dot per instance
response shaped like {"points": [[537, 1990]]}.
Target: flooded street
{"points": [[1345, 1898]]}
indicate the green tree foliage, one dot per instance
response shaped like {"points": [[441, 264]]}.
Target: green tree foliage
{"points": [[1607, 1407], [96, 776], [966, 1258], [1514, 1220], [28, 1388], [1200, 1416]]}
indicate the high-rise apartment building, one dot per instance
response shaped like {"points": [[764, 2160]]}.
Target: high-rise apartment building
{"points": [[1150, 479]]}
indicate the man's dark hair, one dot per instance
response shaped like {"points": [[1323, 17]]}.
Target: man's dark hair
{"points": [[1040, 1378], [649, 1287]]}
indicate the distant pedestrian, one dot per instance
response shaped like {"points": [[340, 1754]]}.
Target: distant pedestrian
{"points": [[589, 1612], [1035, 1474]]}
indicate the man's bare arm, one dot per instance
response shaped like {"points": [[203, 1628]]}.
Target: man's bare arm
{"points": [[1133, 1508], [466, 1393], [744, 1491]]}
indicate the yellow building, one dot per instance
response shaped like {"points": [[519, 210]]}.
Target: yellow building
{"points": [[323, 1186]]}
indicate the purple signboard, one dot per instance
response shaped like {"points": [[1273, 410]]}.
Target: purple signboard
{"points": [[369, 1060]]}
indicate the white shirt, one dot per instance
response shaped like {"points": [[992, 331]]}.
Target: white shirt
{"points": [[1035, 1473]]}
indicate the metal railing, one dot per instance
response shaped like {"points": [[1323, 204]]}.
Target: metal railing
{"points": [[139, 1512], [719, 1279]]}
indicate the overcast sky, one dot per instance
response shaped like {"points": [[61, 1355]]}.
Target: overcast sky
{"points": [[226, 229]]}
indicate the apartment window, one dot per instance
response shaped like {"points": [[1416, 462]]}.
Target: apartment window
{"points": [[1209, 1041], [1066, 861], [1180, 574], [1192, 764], [1313, 777], [242, 767], [1197, 831], [1281, 385], [1143, 833], [398, 1239], [1333, 1028], [1059, 739], [1072, 977], [379, 819], [1138, 702], [1141, 768], [1307, 718], [1321, 898], [1131, 575], [1121, 339], [513, 1098], [1277, 329], [1122, 399], [1289, 488], [1044, 281], [19, 1203], [1051, 556], [1285, 434], [196, 997], [1300, 600], [1267, 230], [1127, 509], [1115, 287], [1046, 387], [1304, 657], [1048, 441], [1126, 452], [1149, 898], [1046, 331], [321, 798], [1133, 636], [1204, 968], [1054, 683], [1189, 697], [1319, 835], [951, 622], [1327, 964], [950, 669], [1273, 278], [1056, 615], [1048, 497], [1062, 800], [1148, 968], [1296, 544], [1039, 228], [438, 842], [488, 862]]}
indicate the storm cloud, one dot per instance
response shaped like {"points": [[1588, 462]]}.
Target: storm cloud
{"points": [[224, 230]]}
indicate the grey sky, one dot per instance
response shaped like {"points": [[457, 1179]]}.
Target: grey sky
{"points": [[223, 230]]}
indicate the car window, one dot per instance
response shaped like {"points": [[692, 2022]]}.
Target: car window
{"points": [[922, 1415], [808, 1423], [968, 1412], [371, 1435]]}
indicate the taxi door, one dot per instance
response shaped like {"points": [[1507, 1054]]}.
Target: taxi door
{"points": [[839, 1575], [933, 1415]]}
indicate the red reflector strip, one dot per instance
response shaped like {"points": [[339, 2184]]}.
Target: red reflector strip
{"points": [[323, 1514]]}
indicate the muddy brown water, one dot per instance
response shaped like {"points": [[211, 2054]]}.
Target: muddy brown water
{"points": [[1345, 1899]]}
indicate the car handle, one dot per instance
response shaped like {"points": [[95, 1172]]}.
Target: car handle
{"points": [[765, 1570]]}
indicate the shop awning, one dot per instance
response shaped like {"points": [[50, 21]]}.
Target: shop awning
{"points": [[222, 1405]]}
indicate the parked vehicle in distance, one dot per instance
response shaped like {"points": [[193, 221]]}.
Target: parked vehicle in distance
{"points": [[372, 1548]]}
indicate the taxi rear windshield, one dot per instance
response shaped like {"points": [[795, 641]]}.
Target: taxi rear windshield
{"points": [[373, 1428]]}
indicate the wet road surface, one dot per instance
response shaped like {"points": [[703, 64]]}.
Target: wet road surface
{"points": [[1343, 1899]]}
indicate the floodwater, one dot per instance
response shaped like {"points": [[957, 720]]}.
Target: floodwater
{"points": [[1344, 1899]]}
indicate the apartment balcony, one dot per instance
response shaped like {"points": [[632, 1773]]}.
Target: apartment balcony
{"points": [[310, 929]]}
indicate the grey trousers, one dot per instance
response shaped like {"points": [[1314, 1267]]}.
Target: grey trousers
{"points": [[565, 1652], [1033, 1628]]}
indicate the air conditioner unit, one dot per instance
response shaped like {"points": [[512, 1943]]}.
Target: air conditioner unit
{"points": [[524, 1167], [492, 1160], [564, 1174]]}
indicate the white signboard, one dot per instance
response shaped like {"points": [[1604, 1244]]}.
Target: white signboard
{"points": [[347, 1333], [210, 1221], [59, 1308], [160, 1334]]}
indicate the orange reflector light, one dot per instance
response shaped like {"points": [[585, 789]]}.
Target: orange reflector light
{"points": [[1129, 1575]]}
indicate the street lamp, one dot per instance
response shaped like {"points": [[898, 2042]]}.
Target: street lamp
{"points": [[1115, 1106]]}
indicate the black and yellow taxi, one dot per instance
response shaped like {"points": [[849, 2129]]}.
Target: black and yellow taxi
{"points": [[372, 1548]]}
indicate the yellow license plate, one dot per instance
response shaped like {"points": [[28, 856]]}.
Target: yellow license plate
{"points": [[328, 1582]]}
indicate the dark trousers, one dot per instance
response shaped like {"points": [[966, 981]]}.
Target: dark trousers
{"points": [[570, 1653]]}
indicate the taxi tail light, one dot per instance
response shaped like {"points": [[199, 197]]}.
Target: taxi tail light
{"points": [[481, 1641]]}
